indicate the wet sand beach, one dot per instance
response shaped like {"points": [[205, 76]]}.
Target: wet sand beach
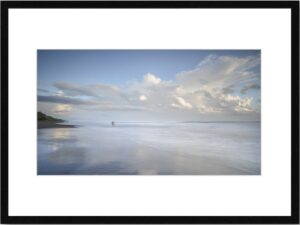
{"points": [[50, 124], [150, 149]]}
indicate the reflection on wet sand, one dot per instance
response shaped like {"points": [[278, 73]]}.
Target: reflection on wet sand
{"points": [[67, 155], [150, 150]]}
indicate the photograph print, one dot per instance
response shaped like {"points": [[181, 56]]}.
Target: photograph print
{"points": [[148, 112]]}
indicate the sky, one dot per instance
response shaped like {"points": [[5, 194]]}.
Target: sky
{"points": [[149, 85]]}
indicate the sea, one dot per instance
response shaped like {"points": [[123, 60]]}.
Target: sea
{"points": [[150, 148]]}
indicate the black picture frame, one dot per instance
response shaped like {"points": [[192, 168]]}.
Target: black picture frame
{"points": [[294, 218]]}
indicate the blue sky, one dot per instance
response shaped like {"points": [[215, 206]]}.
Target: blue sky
{"points": [[197, 84]]}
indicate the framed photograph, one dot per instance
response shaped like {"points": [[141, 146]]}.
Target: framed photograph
{"points": [[150, 112]]}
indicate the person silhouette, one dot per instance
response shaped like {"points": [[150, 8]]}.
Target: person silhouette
{"points": [[112, 123]]}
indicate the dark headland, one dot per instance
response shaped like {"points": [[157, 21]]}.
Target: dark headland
{"points": [[45, 121]]}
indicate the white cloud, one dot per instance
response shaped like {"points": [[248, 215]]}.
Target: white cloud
{"points": [[59, 93], [180, 90], [151, 79], [61, 109], [244, 105], [143, 98], [183, 103], [93, 90], [219, 72], [215, 84]]}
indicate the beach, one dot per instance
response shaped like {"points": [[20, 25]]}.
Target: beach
{"points": [[135, 148], [51, 124]]}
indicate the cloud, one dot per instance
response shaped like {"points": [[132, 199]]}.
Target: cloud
{"points": [[152, 94], [59, 93], [237, 103], [219, 72], [94, 90], [43, 90], [246, 88], [110, 107], [214, 85], [65, 100], [218, 85], [88, 104], [151, 79], [62, 109], [143, 98], [181, 103], [228, 90]]}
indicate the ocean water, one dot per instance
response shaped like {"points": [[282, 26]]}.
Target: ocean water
{"points": [[151, 149]]}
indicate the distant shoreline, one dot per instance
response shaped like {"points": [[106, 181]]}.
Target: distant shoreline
{"points": [[51, 124], [221, 121]]}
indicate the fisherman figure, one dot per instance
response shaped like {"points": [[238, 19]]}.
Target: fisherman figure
{"points": [[112, 123]]}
